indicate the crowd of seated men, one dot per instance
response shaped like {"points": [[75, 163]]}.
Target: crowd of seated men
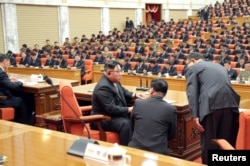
{"points": [[229, 8], [159, 41]]}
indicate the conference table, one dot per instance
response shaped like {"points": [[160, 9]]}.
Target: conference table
{"points": [[25, 145], [186, 144], [44, 96], [69, 74], [178, 84]]}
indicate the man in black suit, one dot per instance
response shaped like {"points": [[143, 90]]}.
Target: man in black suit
{"points": [[140, 67], [79, 64], [125, 65], [153, 67], [22, 114], [169, 70], [25, 60], [231, 72], [50, 62], [35, 61], [213, 103], [109, 98], [154, 121], [61, 62]]}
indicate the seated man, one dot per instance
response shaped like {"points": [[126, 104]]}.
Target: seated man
{"points": [[231, 72], [169, 70], [140, 66], [35, 61], [79, 64], [153, 68], [99, 58], [109, 98], [61, 62], [22, 114], [154, 121], [125, 65]]}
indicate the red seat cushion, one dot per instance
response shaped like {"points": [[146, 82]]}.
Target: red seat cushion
{"points": [[7, 113]]}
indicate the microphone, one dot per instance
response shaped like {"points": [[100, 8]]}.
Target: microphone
{"points": [[79, 146]]}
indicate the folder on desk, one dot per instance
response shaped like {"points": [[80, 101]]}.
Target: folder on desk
{"points": [[79, 146]]}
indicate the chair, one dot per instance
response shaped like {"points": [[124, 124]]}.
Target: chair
{"points": [[43, 61], [7, 113], [243, 137], [88, 76], [75, 122], [70, 62], [179, 68]]}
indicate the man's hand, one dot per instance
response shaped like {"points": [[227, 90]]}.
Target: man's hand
{"points": [[130, 109], [12, 79], [198, 125], [140, 96]]}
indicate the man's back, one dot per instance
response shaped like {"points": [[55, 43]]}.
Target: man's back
{"points": [[211, 82], [154, 123]]}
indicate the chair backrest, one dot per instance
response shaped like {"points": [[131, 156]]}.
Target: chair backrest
{"points": [[179, 68], [88, 64], [69, 104], [70, 62], [244, 131]]}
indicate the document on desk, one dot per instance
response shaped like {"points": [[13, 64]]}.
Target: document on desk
{"points": [[169, 101]]}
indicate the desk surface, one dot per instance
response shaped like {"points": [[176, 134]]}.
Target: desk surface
{"points": [[85, 92], [29, 146]]}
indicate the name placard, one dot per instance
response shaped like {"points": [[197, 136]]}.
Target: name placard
{"points": [[96, 152]]}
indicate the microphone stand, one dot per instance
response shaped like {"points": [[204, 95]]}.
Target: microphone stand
{"points": [[79, 146]]}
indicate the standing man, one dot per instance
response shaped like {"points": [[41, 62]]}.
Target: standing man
{"points": [[109, 98], [129, 24], [213, 103], [154, 121], [8, 100]]}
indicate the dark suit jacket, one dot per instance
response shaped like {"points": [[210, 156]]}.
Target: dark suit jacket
{"points": [[107, 101], [80, 65], [126, 67], [35, 63], [207, 86], [63, 64], [155, 70], [100, 60], [139, 69], [25, 61], [5, 86], [139, 50], [232, 74], [154, 122], [172, 71], [50, 63]]}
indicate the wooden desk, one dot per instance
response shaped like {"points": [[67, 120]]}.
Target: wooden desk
{"points": [[45, 96], [32, 146], [54, 73], [179, 84], [186, 144]]}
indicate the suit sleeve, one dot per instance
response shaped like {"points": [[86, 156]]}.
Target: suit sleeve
{"points": [[5, 82], [192, 92]]}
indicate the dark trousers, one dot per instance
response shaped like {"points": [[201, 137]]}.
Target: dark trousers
{"points": [[121, 125], [221, 124]]}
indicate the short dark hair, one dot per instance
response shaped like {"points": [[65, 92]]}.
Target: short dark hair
{"points": [[159, 85], [4, 57], [111, 64], [195, 55]]}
